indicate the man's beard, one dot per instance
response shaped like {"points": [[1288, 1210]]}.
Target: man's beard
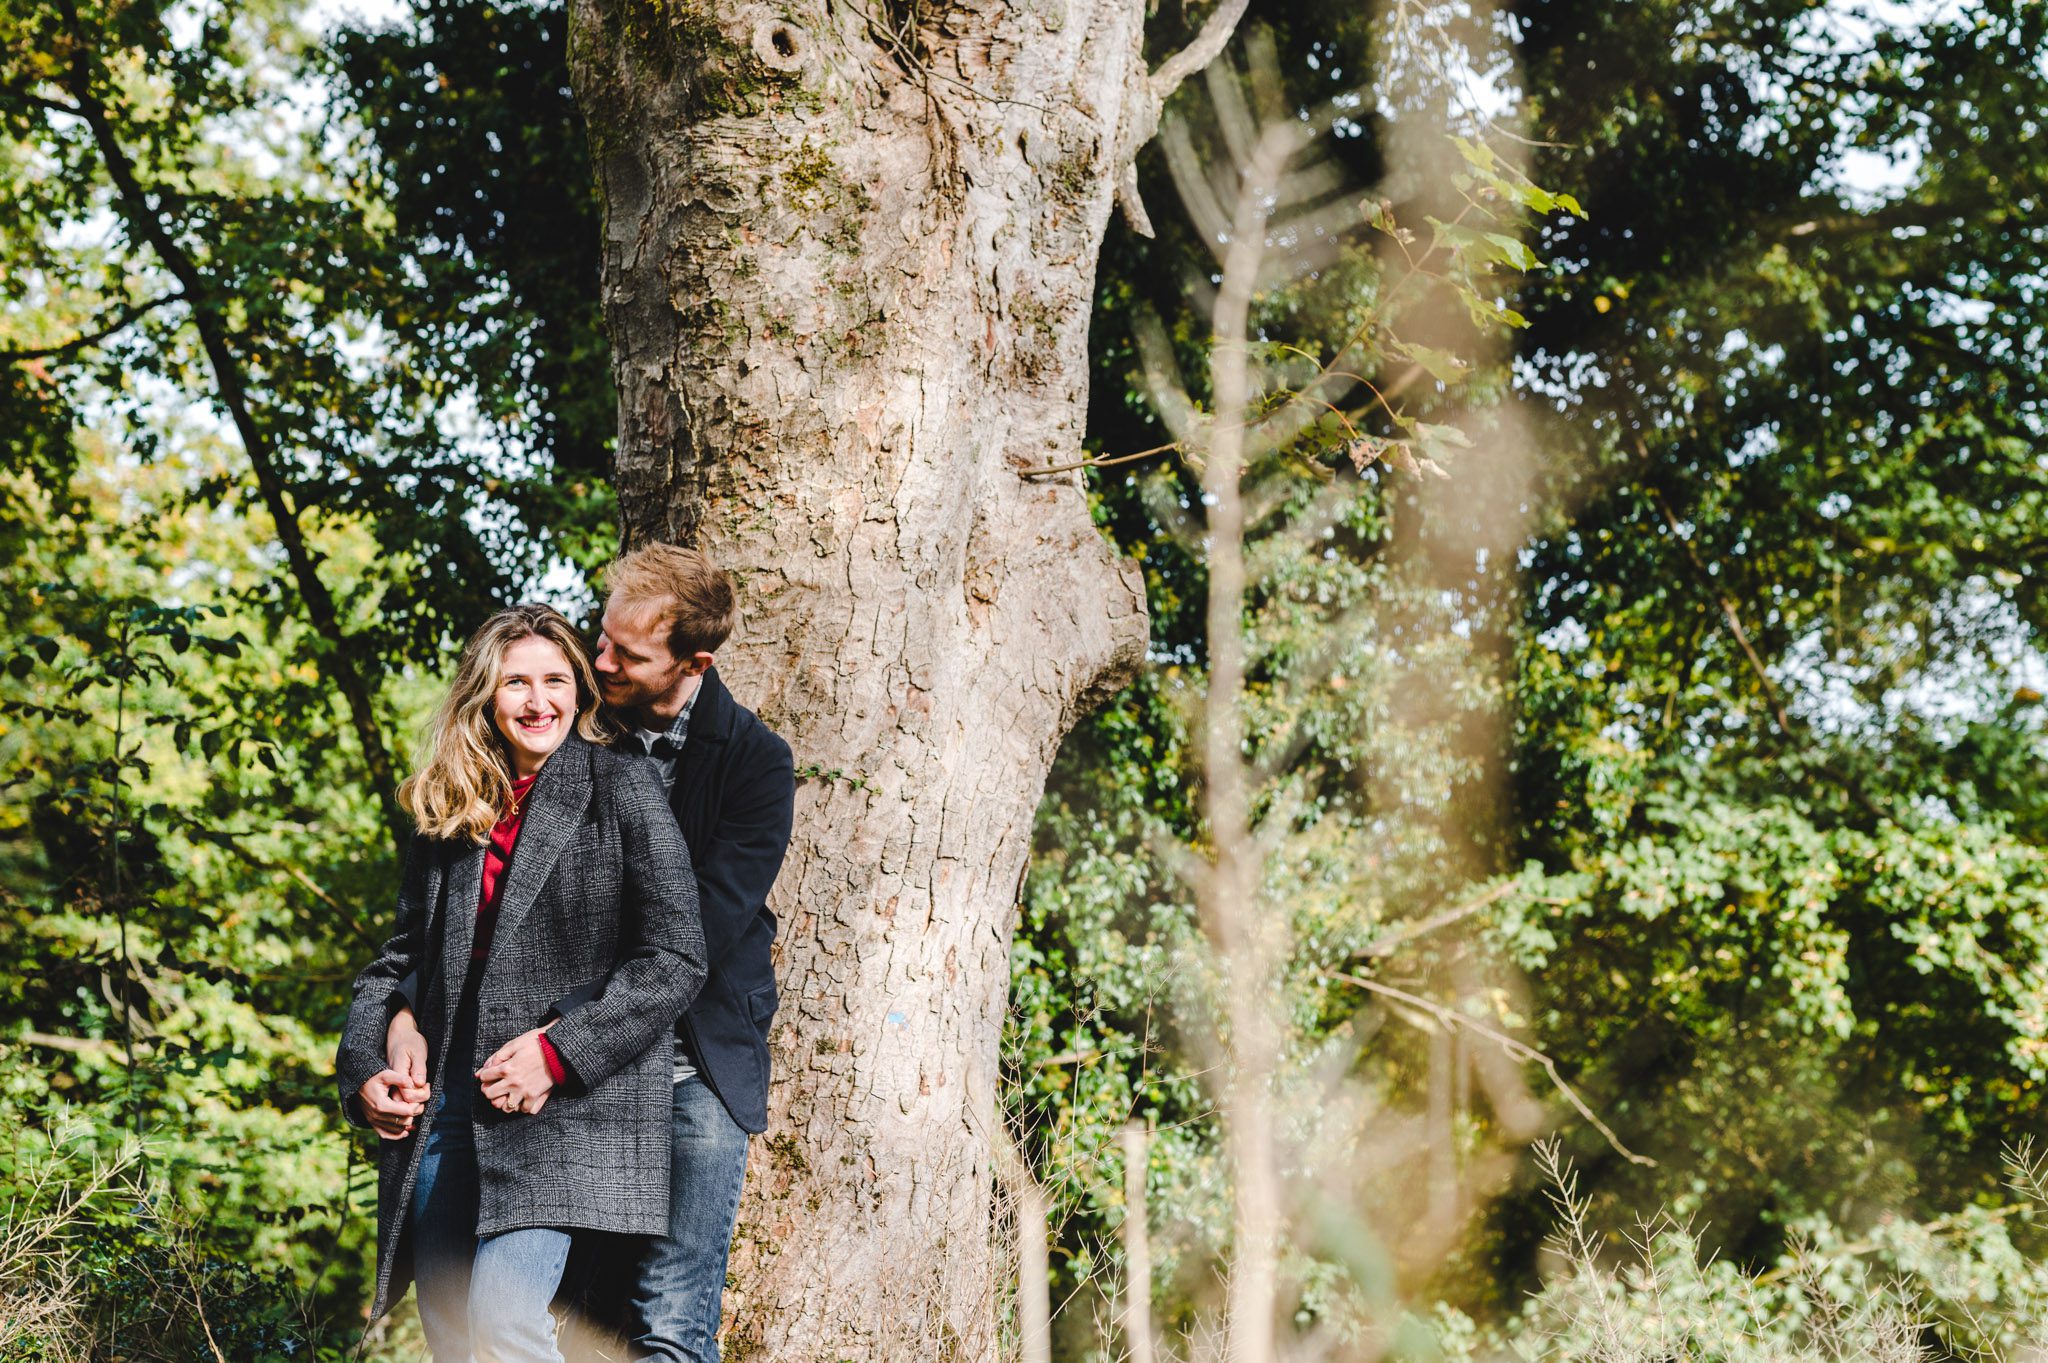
{"points": [[633, 701]]}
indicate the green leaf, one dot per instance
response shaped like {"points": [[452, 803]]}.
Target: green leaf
{"points": [[1478, 154], [1442, 366], [1436, 440], [1512, 251]]}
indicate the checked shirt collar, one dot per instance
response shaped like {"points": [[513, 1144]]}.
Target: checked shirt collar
{"points": [[666, 747]]}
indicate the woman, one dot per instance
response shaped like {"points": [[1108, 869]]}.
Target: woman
{"points": [[554, 862]]}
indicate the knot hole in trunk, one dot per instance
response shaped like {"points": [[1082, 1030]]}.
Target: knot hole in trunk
{"points": [[781, 45]]}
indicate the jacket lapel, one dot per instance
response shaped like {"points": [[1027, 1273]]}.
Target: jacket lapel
{"points": [[710, 726], [554, 811], [710, 717], [461, 888]]}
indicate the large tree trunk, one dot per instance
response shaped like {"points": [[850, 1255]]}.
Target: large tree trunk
{"points": [[848, 281]]}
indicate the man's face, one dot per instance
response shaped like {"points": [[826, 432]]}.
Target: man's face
{"points": [[635, 670]]}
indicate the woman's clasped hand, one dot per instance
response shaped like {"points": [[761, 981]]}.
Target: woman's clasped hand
{"points": [[515, 1078]]}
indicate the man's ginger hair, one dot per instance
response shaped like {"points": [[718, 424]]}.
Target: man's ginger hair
{"points": [[687, 592]]}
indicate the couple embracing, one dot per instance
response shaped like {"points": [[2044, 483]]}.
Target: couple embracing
{"points": [[564, 1044]]}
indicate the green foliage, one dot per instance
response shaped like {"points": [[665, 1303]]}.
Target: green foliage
{"points": [[93, 1264], [473, 144], [1366, 708], [1772, 742], [185, 882], [261, 463], [1770, 839], [1966, 1286], [1763, 826]]}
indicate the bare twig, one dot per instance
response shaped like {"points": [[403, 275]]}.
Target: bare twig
{"points": [[1137, 1246], [1206, 47], [1520, 1050], [1408, 932], [1148, 96], [1034, 1305], [199, 1309], [1101, 463], [74, 1045], [50, 1225], [1226, 896], [1727, 604]]}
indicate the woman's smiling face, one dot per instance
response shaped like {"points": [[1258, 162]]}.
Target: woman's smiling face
{"points": [[535, 703]]}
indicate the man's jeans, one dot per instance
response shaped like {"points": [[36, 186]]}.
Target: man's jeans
{"points": [[680, 1284]]}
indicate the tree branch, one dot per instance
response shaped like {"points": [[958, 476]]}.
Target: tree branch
{"points": [[75, 1045], [227, 841], [127, 315], [1734, 621], [133, 202], [1148, 95], [1786, 730], [1207, 46], [1408, 932], [55, 106], [1100, 463], [1904, 213]]}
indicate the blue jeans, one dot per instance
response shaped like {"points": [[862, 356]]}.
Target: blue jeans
{"points": [[679, 1285], [480, 1299]]}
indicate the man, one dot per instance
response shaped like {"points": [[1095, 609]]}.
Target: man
{"points": [[732, 787]]}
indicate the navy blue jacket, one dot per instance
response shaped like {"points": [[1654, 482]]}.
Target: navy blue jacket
{"points": [[734, 797]]}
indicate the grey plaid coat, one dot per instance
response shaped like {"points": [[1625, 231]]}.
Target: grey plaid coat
{"points": [[599, 889]]}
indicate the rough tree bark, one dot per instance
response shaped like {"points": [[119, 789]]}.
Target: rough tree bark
{"points": [[849, 261]]}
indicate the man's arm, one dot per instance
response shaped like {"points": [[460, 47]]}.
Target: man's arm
{"points": [[738, 867], [661, 948], [739, 862]]}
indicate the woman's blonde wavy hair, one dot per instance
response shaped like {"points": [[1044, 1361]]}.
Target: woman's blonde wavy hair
{"points": [[464, 779]]}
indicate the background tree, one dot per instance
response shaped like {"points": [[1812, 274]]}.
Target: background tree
{"points": [[1799, 483], [472, 140], [206, 278]]}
